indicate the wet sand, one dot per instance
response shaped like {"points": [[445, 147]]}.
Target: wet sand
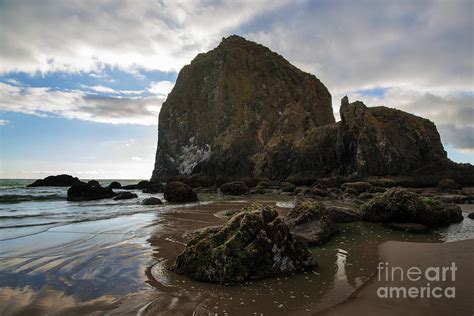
{"points": [[365, 300], [119, 266]]}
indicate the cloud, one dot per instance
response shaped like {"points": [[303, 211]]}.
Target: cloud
{"points": [[352, 45], [73, 36], [161, 87], [100, 88], [77, 104], [3, 122]]}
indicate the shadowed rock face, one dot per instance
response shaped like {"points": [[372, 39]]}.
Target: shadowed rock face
{"points": [[241, 110], [232, 103]]}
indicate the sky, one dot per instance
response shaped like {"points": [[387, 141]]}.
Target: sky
{"points": [[82, 82]]}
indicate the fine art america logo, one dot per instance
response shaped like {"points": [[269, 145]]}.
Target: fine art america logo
{"points": [[440, 276]]}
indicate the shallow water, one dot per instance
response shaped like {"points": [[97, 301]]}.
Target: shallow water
{"points": [[113, 255]]}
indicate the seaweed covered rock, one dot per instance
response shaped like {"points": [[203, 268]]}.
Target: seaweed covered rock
{"points": [[62, 180], [234, 188], [340, 214], [310, 222], [359, 187], [402, 206], [179, 192], [253, 244], [86, 192], [449, 186]]}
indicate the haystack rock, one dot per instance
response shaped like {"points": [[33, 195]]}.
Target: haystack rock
{"points": [[241, 110]]}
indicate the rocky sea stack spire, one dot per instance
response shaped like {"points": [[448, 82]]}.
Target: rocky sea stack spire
{"points": [[241, 110], [230, 105]]}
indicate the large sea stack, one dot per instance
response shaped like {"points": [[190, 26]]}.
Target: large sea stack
{"points": [[241, 110]]}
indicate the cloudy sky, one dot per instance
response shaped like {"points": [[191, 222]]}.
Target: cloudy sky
{"points": [[82, 82]]}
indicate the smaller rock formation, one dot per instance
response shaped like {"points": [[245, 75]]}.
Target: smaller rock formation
{"points": [[340, 214], [152, 201], [125, 196], [139, 186], [310, 222], [115, 185], [62, 180], [154, 187], [234, 188], [179, 192], [93, 183], [253, 244], [402, 206], [358, 187], [449, 186], [471, 215], [85, 192]]}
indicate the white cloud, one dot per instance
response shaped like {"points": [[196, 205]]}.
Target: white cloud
{"points": [[3, 122], [100, 88], [78, 36], [79, 105], [161, 87]]}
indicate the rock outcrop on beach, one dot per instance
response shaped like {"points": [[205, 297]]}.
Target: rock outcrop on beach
{"points": [[310, 222], [178, 192], [86, 192], [253, 244], [241, 110], [62, 180], [402, 206]]}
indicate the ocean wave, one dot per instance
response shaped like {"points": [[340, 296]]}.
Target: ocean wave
{"points": [[29, 225], [17, 198], [20, 216]]}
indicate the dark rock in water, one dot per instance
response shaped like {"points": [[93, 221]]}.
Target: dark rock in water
{"points": [[62, 180], [400, 205], [234, 188], [139, 186], [408, 227], [471, 215], [85, 192], [115, 185], [178, 192], [342, 214], [125, 196], [93, 183], [253, 244], [154, 187], [449, 186], [241, 110], [152, 201], [310, 222]]}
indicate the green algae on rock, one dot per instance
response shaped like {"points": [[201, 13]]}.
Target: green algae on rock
{"points": [[253, 244], [309, 221], [402, 206]]}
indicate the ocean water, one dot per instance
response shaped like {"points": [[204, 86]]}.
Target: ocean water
{"points": [[26, 211]]}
